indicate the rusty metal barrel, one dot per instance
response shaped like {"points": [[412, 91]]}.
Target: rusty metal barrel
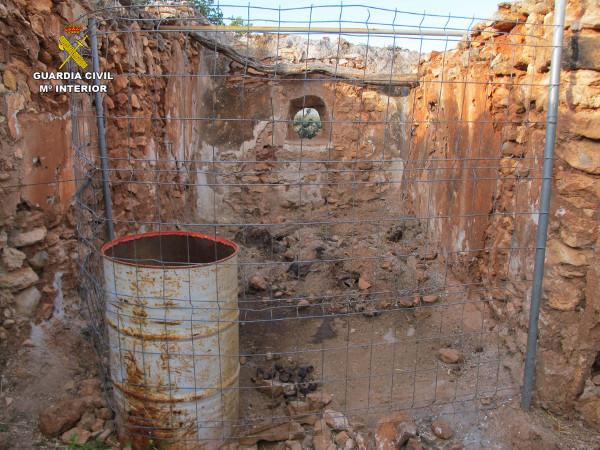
{"points": [[173, 334]]}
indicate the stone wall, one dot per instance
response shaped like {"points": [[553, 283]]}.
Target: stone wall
{"points": [[479, 122], [37, 240]]}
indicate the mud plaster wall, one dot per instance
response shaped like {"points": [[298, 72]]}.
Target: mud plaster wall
{"points": [[506, 86], [275, 176]]}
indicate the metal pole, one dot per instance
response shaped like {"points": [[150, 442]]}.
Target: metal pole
{"points": [[101, 133], [542, 230]]}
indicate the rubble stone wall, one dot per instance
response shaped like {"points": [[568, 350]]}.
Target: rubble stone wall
{"points": [[479, 122]]}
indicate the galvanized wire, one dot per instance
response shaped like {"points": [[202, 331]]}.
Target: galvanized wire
{"points": [[338, 331]]}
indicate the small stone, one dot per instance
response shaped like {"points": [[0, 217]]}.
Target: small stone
{"points": [[350, 444], [103, 437], [87, 420], [393, 431], [27, 301], [135, 102], [363, 284], [318, 400], [97, 425], [104, 413], [289, 431], [76, 435], [243, 360], [298, 408], [271, 388], [10, 80], [303, 303], [336, 420], [430, 298], [293, 445], [596, 379], [404, 431], [12, 258], [449, 355], [414, 444], [60, 416], [583, 155], [120, 83], [442, 429], [289, 389], [91, 386], [341, 438], [18, 280], [27, 238], [322, 442], [258, 283], [39, 260]]}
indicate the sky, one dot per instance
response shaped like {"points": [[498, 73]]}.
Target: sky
{"points": [[428, 14]]}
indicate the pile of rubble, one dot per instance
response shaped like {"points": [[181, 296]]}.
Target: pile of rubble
{"points": [[313, 425], [79, 419]]}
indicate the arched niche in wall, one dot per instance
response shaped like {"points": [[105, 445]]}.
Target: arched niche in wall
{"points": [[308, 121]]}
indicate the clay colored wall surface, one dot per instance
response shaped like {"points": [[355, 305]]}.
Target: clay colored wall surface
{"points": [[496, 121]]}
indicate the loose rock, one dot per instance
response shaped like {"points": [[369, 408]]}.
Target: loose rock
{"points": [[104, 413], [293, 445], [442, 429], [318, 400], [336, 420], [258, 283], [414, 444], [393, 431], [341, 438], [430, 298], [449, 355], [288, 431], [61, 416], [76, 435], [322, 442], [363, 284], [87, 420]]}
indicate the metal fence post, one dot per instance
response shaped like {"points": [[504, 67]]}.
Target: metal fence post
{"points": [[101, 133], [542, 230]]}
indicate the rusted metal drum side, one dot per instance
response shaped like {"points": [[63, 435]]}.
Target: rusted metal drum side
{"points": [[174, 343]]}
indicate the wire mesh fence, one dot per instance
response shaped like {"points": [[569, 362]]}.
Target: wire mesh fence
{"points": [[301, 216]]}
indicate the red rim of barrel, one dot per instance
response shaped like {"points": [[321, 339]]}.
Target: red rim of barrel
{"points": [[133, 237]]}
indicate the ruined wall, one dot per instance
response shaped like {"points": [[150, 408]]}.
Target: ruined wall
{"points": [[487, 137], [272, 173], [41, 164], [36, 167]]}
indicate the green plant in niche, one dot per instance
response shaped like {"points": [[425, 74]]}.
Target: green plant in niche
{"points": [[307, 123]]}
